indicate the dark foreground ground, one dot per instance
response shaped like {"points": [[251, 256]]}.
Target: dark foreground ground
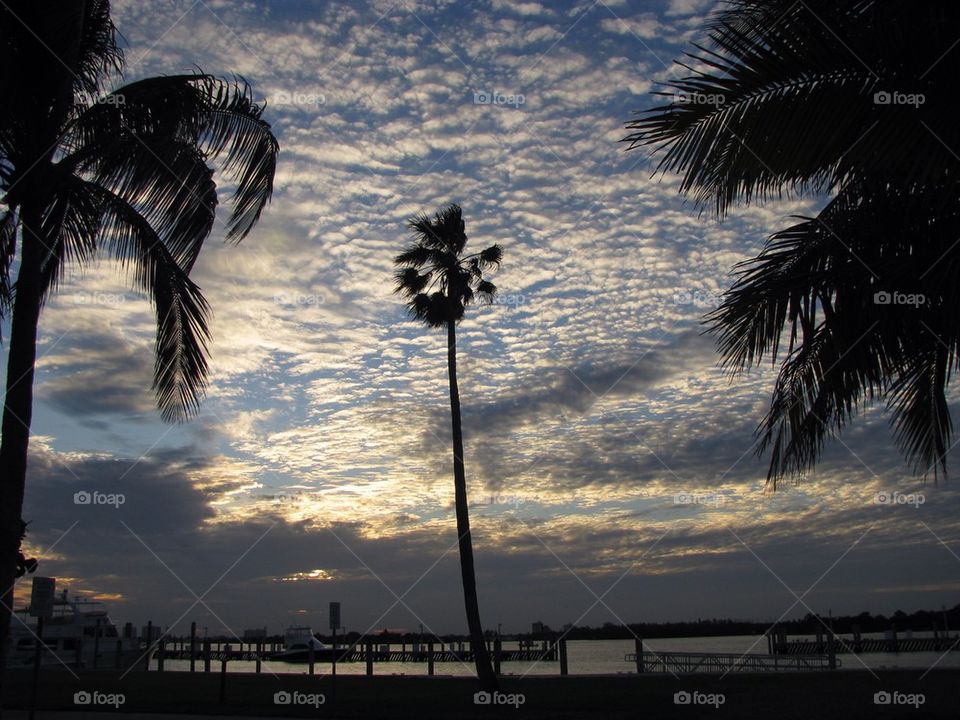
{"points": [[844, 694]]}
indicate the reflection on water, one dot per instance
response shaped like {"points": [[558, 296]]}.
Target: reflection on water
{"points": [[591, 657]]}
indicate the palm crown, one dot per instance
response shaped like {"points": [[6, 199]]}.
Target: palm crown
{"points": [[129, 172], [435, 276], [846, 99]]}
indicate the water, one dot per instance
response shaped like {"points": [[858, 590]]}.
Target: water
{"points": [[595, 657]]}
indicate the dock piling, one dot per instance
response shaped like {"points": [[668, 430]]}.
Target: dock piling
{"points": [[146, 657], [223, 675], [193, 647]]}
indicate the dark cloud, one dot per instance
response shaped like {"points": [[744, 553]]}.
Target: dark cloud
{"points": [[97, 373]]}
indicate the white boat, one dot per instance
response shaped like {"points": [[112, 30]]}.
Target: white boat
{"points": [[79, 634], [297, 641]]}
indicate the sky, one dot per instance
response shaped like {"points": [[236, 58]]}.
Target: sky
{"points": [[610, 463]]}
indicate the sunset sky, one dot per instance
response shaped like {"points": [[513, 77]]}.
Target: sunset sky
{"points": [[320, 465]]}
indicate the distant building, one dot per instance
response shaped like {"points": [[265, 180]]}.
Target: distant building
{"points": [[539, 628], [128, 631], [255, 634], [150, 632]]}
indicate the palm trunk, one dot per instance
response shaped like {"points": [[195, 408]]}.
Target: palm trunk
{"points": [[481, 657], [17, 413]]}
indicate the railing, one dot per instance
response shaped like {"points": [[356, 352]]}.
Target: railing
{"points": [[679, 662]]}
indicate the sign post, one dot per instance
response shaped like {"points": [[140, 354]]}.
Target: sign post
{"points": [[41, 607], [334, 625]]}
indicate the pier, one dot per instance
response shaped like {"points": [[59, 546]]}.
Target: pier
{"points": [[827, 642], [684, 662], [178, 650], [876, 645], [222, 651]]}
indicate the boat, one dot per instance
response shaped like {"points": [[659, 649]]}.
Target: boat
{"points": [[79, 633], [297, 642]]}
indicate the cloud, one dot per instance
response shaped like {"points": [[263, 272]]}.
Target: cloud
{"points": [[590, 397]]}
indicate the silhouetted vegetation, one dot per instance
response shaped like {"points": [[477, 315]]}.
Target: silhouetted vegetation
{"points": [[85, 170], [854, 101], [439, 282]]}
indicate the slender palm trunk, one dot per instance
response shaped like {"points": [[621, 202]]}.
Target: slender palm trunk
{"points": [[477, 642], [17, 413]]}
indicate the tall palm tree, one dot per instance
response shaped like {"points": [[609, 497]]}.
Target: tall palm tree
{"points": [[852, 101], [439, 282], [128, 172]]}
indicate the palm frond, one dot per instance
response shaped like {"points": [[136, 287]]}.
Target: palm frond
{"points": [[180, 365], [220, 119], [410, 282], [790, 106], [8, 248], [432, 310], [490, 257], [438, 246], [70, 226], [167, 179], [416, 256], [486, 290], [921, 417]]}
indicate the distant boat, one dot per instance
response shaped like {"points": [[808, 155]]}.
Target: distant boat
{"points": [[78, 628], [297, 642]]}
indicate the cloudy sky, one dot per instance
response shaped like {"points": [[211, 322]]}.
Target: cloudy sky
{"points": [[320, 467]]}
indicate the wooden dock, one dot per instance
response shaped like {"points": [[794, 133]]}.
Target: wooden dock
{"points": [[875, 645], [358, 654], [219, 651], [684, 662]]}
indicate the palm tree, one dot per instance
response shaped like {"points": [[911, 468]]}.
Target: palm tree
{"points": [[128, 172], [439, 282], [851, 101]]}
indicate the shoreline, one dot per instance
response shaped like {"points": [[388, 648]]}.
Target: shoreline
{"points": [[738, 695]]}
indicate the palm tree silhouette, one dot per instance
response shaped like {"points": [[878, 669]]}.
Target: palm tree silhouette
{"points": [[852, 100], [439, 282], [127, 172]]}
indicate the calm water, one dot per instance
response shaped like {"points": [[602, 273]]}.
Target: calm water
{"points": [[590, 657]]}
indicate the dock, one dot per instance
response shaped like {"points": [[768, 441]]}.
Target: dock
{"points": [[685, 662], [876, 645], [210, 651], [355, 653]]}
